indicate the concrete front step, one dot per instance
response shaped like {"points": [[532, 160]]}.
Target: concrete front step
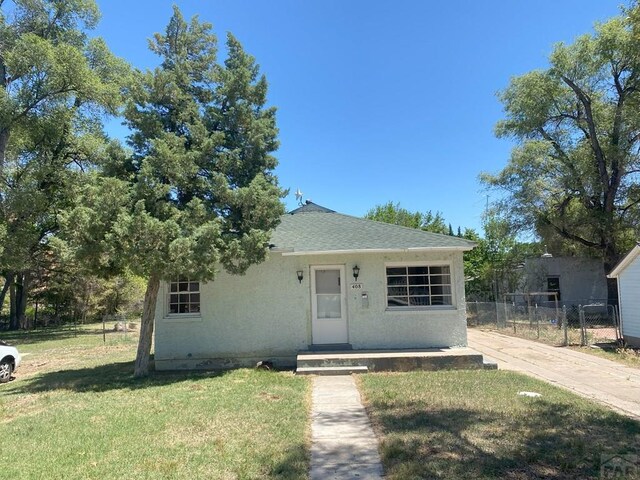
{"points": [[393, 360], [331, 370]]}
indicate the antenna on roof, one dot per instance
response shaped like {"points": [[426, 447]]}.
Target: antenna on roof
{"points": [[299, 197]]}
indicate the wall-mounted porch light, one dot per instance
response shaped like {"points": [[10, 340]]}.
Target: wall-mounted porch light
{"points": [[300, 275], [356, 272]]}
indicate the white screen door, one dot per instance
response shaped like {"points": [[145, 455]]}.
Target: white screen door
{"points": [[329, 316]]}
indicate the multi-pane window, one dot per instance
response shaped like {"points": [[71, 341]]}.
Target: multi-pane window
{"points": [[184, 296], [418, 286]]}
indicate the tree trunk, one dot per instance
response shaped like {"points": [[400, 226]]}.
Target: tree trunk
{"points": [[611, 258], [8, 281], [13, 318], [146, 327], [22, 290], [4, 141]]}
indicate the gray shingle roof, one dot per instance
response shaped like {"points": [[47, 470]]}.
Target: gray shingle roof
{"points": [[312, 228]]}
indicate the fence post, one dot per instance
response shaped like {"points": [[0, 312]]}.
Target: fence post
{"points": [[537, 316], [583, 332], [616, 323], [496, 314], [506, 312], [565, 326], [477, 314]]}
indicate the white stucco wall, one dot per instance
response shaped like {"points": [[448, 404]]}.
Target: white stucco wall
{"points": [[266, 314], [629, 291]]}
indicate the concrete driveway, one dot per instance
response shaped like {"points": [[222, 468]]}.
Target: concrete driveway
{"points": [[612, 384]]}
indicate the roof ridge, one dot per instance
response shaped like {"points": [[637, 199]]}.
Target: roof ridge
{"points": [[405, 227], [310, 207]]}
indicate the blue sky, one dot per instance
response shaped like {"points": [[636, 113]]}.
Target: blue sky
{"points": [[379, 100]]}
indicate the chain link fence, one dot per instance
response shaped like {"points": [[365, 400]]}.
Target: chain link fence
{"points": [[561, 325]]}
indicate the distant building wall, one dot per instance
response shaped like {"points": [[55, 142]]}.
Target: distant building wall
{"points": [[580, 279]]}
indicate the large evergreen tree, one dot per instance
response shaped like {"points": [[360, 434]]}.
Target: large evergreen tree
{"points": [[196, 190]]}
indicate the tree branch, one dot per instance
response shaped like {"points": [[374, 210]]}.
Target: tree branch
{"points": [[632, 204], [570, 236], [561, 153], [35, 103], [593, 133]]}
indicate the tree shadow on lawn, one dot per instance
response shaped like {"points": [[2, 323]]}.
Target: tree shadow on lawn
{"points": [[112, 376], [28, 337], [465, 443], [293, 465]]}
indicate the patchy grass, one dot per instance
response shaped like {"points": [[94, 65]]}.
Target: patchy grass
{"points": [[75, 412], [553, 336], [549, 334], [627, 356], [453, 425]]}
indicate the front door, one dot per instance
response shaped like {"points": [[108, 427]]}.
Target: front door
{"points": [[329, 316]]}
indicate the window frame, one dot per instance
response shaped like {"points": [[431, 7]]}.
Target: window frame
{"points": [[419, 308], [168, 293]]}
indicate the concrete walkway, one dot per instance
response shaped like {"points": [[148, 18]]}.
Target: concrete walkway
{"points": [[610, 383], [343, 443]]}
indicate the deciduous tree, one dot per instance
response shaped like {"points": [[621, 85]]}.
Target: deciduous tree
{"points": [[574, 171], [393, 213], [55, 85]]}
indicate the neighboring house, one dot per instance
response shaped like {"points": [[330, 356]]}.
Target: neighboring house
{"points": [[576, 280], [627, 272], [331, 281]]}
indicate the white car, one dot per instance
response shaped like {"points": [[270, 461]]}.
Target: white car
{"points": [[9, 361]]}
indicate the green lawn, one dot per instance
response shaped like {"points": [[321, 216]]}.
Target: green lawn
{"points": [[75, 412], [454, 425]]}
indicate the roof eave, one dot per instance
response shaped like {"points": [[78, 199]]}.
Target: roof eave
{"points": [[298, 253], [280, 250], [624, 263]]}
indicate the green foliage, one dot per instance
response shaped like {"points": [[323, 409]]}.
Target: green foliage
{"points": [[197, 189], [489, 262], [392, 213], [66, 291], [573, 177], [493, 267], [503, 255], [56, 84]]}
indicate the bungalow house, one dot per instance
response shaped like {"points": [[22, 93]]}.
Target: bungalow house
{"points": [[331, 281], [627, 272]]}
